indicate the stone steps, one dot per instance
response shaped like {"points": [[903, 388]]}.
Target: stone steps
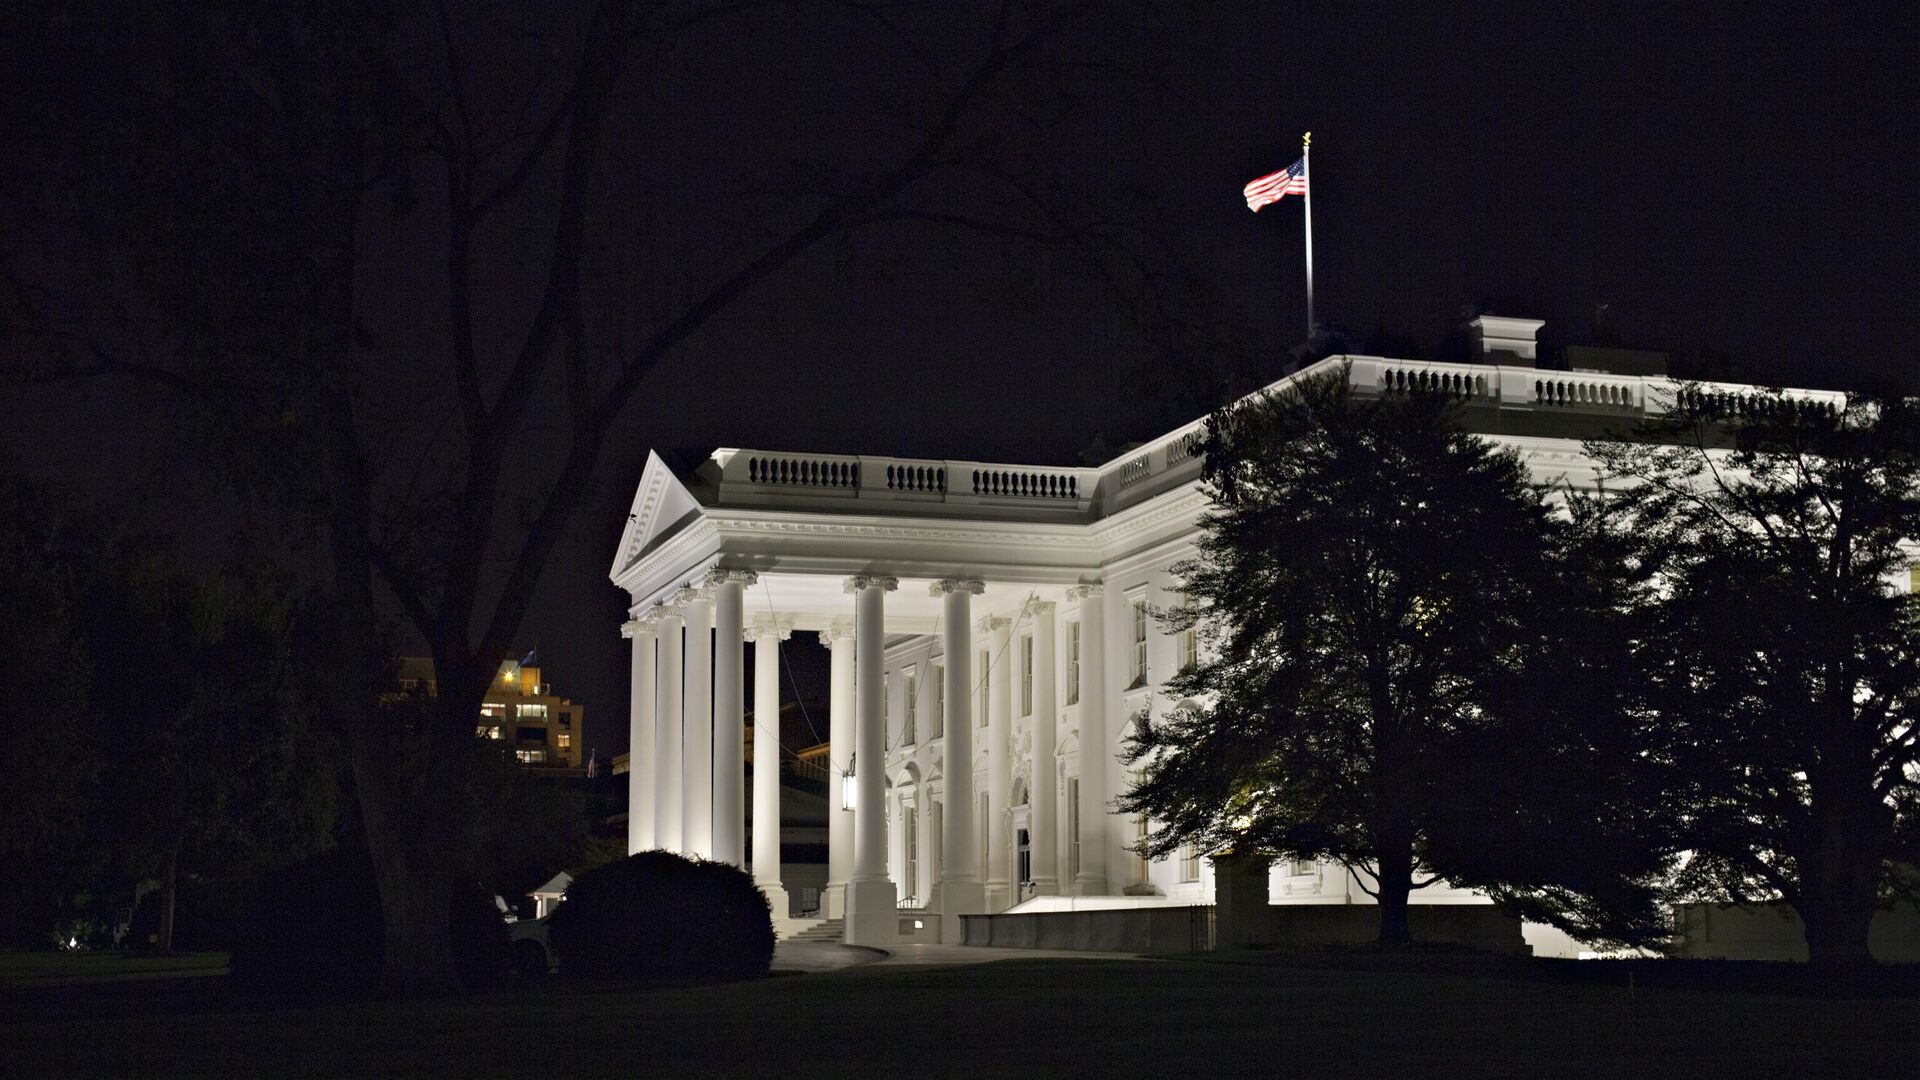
{"points": [[828, 930]]}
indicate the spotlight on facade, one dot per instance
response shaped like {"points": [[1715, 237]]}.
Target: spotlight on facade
{"points": [[846, 784]]}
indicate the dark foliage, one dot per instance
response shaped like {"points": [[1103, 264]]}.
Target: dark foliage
{"points": [[1781, 654], [315, 932], [657, 915], [1404, 671]]}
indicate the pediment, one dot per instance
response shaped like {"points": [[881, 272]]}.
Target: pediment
{"points": [[661, 503]]}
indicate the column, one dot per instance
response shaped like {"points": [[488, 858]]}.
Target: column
{"points": [[640, 750], [959, 890], [729, 715], [669, 820], [872, 918], [1096, 824], [838, 639], [766, 766], [1044, 824], [696, 750], [1000, 680]]}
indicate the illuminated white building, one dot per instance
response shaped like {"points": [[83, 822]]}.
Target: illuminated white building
{"points": [[992, 639]]}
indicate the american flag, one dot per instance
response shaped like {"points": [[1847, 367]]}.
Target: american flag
{"points": [[1291, 180]]}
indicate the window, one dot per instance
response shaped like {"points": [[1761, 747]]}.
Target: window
{"points": [[1189, 638], [938, 727], [539, 711], [1302, 868], [564, 739], [488, 731], [531, 757], [906, 723], [936, 829], [1139, 838], [910, 881], [1073, 662], [493, 708], [1073, 826], [980, 828], [1189, 863], [566, 719], [531, 734], [1139, 672], [1139, 845], [1026, 675], [986, 683]]}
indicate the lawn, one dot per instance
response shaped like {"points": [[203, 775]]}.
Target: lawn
{"points": [[1017, 1018], [29, 969]]}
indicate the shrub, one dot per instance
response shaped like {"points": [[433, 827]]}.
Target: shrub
{"points": [[315, 931], [657, 915]]}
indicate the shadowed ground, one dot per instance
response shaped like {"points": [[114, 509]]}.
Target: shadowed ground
{"points": [[1016, 1018]]}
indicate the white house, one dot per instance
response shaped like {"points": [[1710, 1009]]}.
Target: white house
{"points": [[991, 636]]}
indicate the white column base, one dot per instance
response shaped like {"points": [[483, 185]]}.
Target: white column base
{"points": [[954, 900], [1089, 885], [778, 901], [999, 896], [833, 900], [872, 917], [1045, 886]]}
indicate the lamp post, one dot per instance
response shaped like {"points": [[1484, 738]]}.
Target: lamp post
{"points": [[848, 793]]}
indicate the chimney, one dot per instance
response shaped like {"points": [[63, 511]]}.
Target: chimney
{"points": [[1503, 341]]}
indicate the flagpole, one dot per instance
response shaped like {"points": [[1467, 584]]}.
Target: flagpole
{"points": [[1306, 173]]}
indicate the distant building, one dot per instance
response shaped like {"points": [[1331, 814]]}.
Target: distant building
{"points": [[543, 727]]}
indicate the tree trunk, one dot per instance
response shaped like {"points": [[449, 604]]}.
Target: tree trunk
{"points": [[1395, 885], [169, 895], [1839, 880]]}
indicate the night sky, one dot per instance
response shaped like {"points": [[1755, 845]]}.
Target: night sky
{"points": [[1736, 187]]}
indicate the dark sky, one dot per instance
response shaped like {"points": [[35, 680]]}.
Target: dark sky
{"points": [[1732, 184]]}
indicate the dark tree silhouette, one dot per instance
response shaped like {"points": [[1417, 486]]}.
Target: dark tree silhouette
{"points": [[1782, 647], [1381, 593]]}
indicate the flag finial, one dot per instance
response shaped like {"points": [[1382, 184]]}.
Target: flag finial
{"points": [[1307, 139]]}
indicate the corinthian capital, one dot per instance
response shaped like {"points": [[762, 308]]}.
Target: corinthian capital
{"points": [[990, 623], [886, 582], [743, 578], [957, 584], [1083, 590], [838, 630]]}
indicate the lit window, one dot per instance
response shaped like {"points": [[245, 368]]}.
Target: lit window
{"points": [[531, 757], [538, 711], [493, 708], [1026, 675], [1189, 639], [910, 838], [939, 677], [565, 739], [906, 724], [1073, 662], [1139, 644], [1073, 826], [986, 683]]}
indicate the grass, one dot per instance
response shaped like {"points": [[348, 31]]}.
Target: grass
{"points": [[1015, 1018], [31, 969]]}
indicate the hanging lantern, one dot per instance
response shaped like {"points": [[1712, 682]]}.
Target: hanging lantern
{"points": [[846, 784]]}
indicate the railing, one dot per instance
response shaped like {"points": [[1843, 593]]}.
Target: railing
{"points": [[802, 470], [760, 472], [1457, 384], [759, 476], [908, 903], [1575, 390]]}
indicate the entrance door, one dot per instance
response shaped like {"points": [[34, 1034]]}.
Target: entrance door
{"points": [[1023, 863]]}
